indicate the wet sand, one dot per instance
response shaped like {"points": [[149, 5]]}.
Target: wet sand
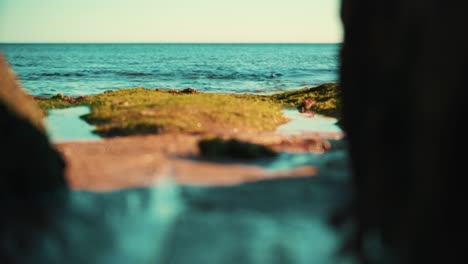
{"points": [[139, 161]]}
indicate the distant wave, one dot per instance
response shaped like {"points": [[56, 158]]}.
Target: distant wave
{"points": [[243, 76], [190, 75], [185, 75], [62, 74], [99, 72], [117, 73], [32, 64], [134, 74], [31, 78], [94, 73]]}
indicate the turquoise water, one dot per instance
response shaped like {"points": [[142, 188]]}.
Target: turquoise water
{"points": [[299, 123], [82, 69], [66, 125]]}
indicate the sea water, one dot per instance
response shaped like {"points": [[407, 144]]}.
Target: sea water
{"points": [[83, 69]]}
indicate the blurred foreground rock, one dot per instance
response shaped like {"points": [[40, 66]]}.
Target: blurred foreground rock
{"points": [[28, 163], [33, 190]]}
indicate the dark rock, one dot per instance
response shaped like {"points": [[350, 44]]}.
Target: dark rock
{"points": [[80, 98], [58, 96], [190, 91], [172, 91], [68, 99], [233, 149]]}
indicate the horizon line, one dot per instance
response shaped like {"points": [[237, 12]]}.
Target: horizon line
{"points": [[45, 42]]}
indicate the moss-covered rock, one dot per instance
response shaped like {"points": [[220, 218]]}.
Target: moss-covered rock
{"points": [[144, 111], [327, 96]]}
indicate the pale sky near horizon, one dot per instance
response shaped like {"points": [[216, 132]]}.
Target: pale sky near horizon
{"points": [[170, 21]]}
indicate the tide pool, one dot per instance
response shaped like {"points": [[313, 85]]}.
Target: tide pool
{"points": [[304, 124], [66, 125]]}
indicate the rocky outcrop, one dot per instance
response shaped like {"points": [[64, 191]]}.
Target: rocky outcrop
{"points": [[190, 91]]}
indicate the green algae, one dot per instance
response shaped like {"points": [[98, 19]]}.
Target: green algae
{"points": [[135, 111], [327, 96]]}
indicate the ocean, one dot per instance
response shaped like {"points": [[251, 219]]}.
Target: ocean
{"points": [[84, 69]]}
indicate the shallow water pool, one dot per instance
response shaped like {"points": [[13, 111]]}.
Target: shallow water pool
{"points": [[303, 124], [66, 125]]}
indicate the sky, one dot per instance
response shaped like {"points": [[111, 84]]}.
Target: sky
{"points": [[278, 21]]}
